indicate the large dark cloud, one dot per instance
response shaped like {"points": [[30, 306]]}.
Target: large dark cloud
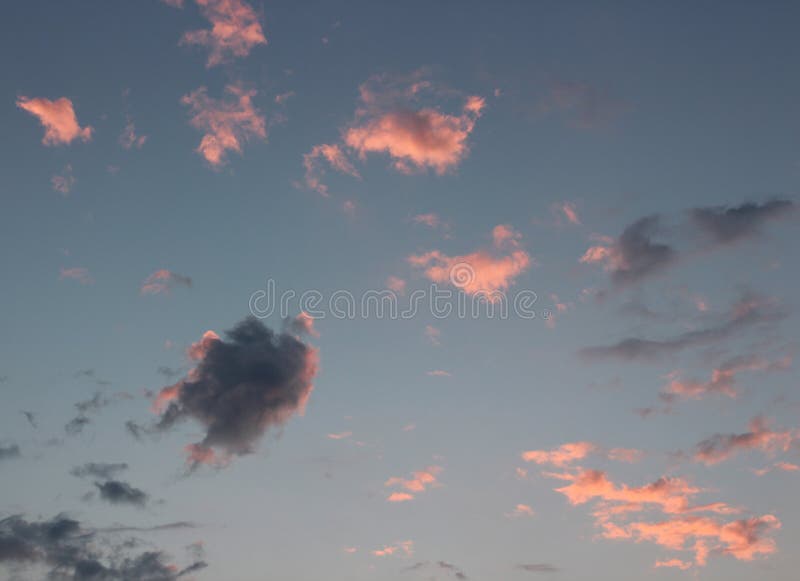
{"points": [[69, 551], [9, 452], [748, 311], [726, 224], [118, 492], [102, 470], [252, 380]]}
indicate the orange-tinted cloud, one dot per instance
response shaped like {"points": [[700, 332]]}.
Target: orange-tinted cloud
{"points": [[162, 281], [570, 212], [675, 563], [561, 456], [334, 156], [723, 379], [226, 124], [482, 271], [405, 548], [419, 482], [417, 140], [396, 284], [721, 447], [685, 527], [521, 510], [58, 119], [235, 30]]}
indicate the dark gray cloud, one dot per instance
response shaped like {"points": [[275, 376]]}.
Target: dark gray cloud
{"points": [[31, 417], [748, 311], [101, 470], [537, 568], [449, 568], [118, 492], [638, 255], [91, 406], [69, 551], [725, 224], [253, 380], [9, 452]]}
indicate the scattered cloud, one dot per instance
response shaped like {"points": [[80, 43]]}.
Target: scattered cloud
{"points": [[78, 273], [163, 281], [400, 548], [235, 30], [335, 158], [721, 447], [226, 124], [729, 224], [537, 568], [100, 470], [63, 182], [118, 492], [419, 482], [58, 119], [562, 456], [9, 452], [128, 139], [520, 511]]}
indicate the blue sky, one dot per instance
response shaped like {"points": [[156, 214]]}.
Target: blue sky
{"points": [[633, 166]]}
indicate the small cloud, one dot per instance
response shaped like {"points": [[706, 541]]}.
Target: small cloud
{"points": [[235, 30], [163, 281], [58, 119], [80, 274], [63, 182]]}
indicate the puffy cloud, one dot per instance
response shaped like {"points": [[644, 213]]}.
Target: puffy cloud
{"points": [[71, 551], [226, 124], [417, 140], [634, 255], [419, 482], [482, 271], [118, 492], [162, 281], [241, 387], [721, 447], [235, 30], [561, 456], [76, 273], [334, 156], [58, 119], [726, 225], [748, 311]]}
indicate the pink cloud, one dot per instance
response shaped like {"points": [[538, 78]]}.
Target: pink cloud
{"points": [[418, 482], [78, 273], [481, 271], [396, 284], [400, 548], [334, 156], [162, 281], [570, 212], [340, 436], [225, 124], [561, 456], [58, 119], [683, 529], [417, 140], [235, 30], [520, 511], [673, 563]]}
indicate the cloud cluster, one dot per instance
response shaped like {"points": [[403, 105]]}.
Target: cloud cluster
{"points": [[70, 551], [408, 488], [226, 124], [625, 512], [241, 386], [58, 119], [235, 30]]}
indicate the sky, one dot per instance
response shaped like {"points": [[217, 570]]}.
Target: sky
{"points": [[364, 291]]}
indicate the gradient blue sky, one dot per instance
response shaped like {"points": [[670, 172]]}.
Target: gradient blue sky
{"points": [[619, 110]]}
